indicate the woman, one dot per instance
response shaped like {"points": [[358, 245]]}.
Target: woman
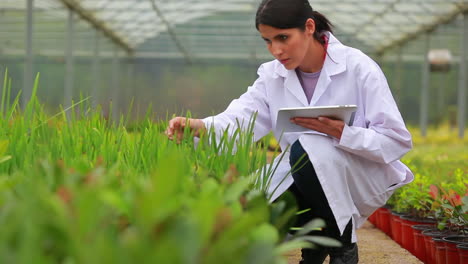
{"points": [[350, 170]]}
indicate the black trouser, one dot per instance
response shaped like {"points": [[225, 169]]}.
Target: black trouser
{"points": [[309, 195]]}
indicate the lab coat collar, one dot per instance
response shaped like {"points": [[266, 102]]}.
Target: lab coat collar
{"points": [[335, 63]]}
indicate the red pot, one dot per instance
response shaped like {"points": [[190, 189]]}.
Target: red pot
{"points": [[396, 227], [377, 218], [419, 244], [452, 255], [429, 244], [384, 221], [432, 251], [439, 250], [372, 218], [407, 237], [463, 253]]}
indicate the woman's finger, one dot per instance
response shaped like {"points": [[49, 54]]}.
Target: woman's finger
{"points": [[328, 121], [306, 122]]}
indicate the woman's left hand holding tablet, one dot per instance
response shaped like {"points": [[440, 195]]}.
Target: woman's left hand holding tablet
{"points": [[177, 125], [321, 124]]}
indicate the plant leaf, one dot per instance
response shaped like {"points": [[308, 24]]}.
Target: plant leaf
{"points": [[5, 158], [311, 226], [323, 241], [291, 245]]}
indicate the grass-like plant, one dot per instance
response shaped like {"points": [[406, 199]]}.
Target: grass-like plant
{"points": [[76, 187]]}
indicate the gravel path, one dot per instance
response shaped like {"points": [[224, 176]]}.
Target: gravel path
{"points": [[374, 248]]}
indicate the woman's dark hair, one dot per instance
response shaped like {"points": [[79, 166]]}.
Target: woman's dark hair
{"points": [[287, 14]]}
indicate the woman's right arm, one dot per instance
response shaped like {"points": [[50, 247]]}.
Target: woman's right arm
{"points": [[239, 112]]}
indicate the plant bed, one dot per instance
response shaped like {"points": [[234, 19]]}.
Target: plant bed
{"points": [[76, 187], [433, 198]]}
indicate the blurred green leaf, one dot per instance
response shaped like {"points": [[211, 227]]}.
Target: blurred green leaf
{"points": [[323, 241], [314, 225]]}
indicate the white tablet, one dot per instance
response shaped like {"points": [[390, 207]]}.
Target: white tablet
{"points": [[341, 112]]}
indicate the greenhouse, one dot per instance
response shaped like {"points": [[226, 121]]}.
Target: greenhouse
{"points": [[89, 86]]}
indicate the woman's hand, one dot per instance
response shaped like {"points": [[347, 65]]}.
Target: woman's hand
{"points": [[322, 124], [177, 125]]}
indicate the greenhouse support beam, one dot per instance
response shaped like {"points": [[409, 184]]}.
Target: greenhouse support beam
{"points": [[398, 74], [96, 70], [115, 85], [28, 63], [69, 71], [88, 16], [130, 80], [462, 81], [424, 105], [2, 76], [440, 84]]}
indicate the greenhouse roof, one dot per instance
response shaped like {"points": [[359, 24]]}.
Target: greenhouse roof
{"points": [[206, 28]]}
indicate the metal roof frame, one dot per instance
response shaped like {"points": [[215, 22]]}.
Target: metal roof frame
{"points": [[193, 26]]}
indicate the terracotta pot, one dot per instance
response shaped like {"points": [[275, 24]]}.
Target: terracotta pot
{"points": [[463, 253], [407, 237], [452, 255], [419, 244], [384, 221], [429, 243], [396, 227]]}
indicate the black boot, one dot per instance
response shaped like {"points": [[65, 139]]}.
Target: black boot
{"points": [[313, 256], [345, 255]]}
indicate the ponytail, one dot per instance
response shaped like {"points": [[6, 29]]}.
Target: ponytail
{"points": [[321, 24]]}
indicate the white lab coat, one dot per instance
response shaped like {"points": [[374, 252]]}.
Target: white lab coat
{"points": [[359, 172]]}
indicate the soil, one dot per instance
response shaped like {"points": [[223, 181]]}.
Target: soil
{"points": [[375, 247]]}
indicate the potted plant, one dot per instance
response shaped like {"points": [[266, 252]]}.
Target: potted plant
{"points": [[414, 202], [451, 211]]}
